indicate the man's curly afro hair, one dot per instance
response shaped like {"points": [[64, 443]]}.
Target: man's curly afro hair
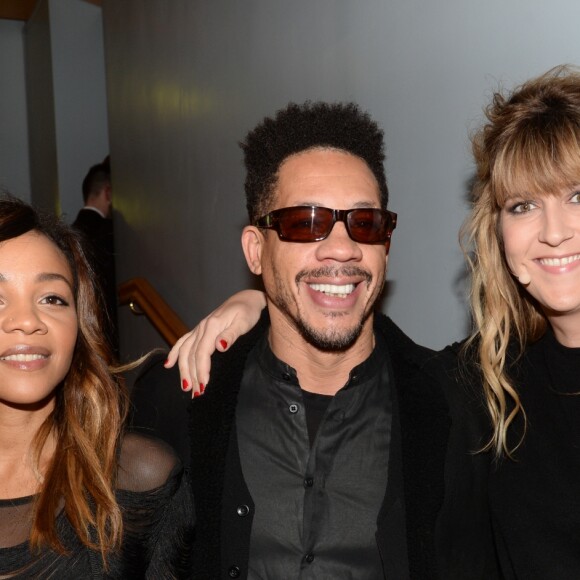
{"points": [[298, 128]]}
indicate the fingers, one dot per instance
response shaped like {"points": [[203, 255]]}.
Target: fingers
{"points": [[181, 353], [218, 331], [193, 351], [186, 363], [228, 336], [174, 352]]}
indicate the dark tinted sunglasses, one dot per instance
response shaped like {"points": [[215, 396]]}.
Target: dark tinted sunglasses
{"points": [[305, 223]]}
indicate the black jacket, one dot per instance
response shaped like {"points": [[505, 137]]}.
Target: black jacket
{"points": [[99, 241], [433, 522]]}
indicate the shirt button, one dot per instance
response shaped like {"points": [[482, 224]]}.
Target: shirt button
{"points": [[293, 408], [286, 376], [308, 482], [309, 558], [243, 510], [234, 572]]}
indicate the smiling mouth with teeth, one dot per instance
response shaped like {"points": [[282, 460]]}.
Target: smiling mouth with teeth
{"points": [[23, 357], [334, 290], [559, 261]]}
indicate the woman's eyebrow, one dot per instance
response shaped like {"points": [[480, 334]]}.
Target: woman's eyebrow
{"points": [[49, 276], [44, 277]]}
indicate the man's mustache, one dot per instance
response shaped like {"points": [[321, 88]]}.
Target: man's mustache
{"points": [[334, 272]]}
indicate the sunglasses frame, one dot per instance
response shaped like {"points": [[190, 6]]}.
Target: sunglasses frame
{"points": [[271, 221]]}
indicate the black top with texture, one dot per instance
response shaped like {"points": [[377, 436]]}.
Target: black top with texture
{"points": [[155, 499]]}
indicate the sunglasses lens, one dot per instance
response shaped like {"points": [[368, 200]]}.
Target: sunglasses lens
{"points": [[305, 224], [312, 224], [368, 226]]}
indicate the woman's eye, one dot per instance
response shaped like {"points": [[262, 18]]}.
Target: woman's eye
{"points": [[521, 207], [54, 300], [575, 197]]}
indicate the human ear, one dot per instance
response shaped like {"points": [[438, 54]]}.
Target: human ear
{"points": [[524, 276], [252, 245], [521, 274]]}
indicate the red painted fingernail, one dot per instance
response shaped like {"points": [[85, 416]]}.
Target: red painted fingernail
{"points": [[185, 385], [166, 361], [196, 394], [224, 344], [201, 388]]}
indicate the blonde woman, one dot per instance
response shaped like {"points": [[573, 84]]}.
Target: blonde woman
{"points": [[524, 237]]}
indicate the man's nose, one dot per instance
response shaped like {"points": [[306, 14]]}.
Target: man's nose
{"points": [[338, 246]]}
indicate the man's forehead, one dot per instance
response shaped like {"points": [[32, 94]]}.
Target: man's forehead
{"points": [[319, 149], [316, 175]]}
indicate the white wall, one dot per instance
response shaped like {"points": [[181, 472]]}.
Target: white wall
{"points": [[188, 78], [80, 100], [67, 107], [14, 167], [40, 101]]}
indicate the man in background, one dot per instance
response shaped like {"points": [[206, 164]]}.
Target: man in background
{"points": [[95, 222]]}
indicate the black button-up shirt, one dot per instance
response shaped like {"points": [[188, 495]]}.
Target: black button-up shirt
{"points": [[316, 506]]}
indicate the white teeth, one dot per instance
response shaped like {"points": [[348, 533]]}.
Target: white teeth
{"points": [[23, 357], [334, 290], [559, 261]]}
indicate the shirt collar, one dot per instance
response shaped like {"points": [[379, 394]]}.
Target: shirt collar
{"points": [[90, 207], [361, 373]]}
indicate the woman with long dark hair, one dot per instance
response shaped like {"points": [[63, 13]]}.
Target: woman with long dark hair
{"points": [[78, 496]]}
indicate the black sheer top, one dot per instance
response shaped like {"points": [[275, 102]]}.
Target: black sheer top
{"points": [[155, 498]]}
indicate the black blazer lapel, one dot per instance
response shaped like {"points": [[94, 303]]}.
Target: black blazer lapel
{"points": [[421, 426], [391, 525]]}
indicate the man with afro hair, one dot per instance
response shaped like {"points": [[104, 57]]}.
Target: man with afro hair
{"points": [[319, 448], [300, 128]]}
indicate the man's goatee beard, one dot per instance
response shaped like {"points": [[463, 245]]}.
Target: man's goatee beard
{"points": [[333, 341]]}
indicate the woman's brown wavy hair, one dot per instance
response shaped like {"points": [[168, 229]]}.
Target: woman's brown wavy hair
{"points": [[530, 145], [89, 410]]}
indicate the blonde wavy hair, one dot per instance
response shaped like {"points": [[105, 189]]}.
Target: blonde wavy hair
{"points": [[89, 411], [529, 145]]}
